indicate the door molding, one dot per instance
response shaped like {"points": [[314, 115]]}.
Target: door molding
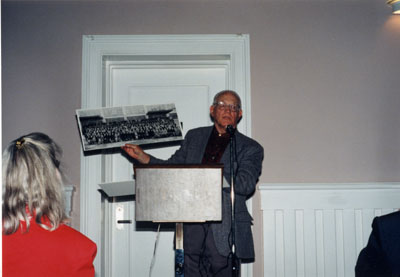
{"points": [[97, 49]]}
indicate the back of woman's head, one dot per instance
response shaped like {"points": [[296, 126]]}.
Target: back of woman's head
{"points": [[32, 183]]}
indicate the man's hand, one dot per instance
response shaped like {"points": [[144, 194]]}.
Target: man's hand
{"points": [[136, 152]]}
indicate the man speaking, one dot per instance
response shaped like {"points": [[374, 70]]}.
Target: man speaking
{"points": [[208, 246]]}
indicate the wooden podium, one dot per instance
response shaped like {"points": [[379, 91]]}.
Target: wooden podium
{"points": [[178, 193]]}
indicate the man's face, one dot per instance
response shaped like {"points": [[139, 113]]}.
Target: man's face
{"points": [[223, 115]]}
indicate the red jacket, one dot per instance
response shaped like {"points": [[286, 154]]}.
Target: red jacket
{"points": [[38, 252]]}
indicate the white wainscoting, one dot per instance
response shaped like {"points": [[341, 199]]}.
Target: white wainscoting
{"points": [[318, 230]]}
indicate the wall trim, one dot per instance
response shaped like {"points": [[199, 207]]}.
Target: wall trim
{"points": [[329, 186], [311, 229]]}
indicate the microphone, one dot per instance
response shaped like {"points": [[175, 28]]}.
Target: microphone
{"points": [[230, 129]]}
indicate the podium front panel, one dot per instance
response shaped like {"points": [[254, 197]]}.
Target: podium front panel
{"points": [[174, 193]]}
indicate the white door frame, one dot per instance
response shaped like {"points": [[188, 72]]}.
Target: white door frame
{"points": [[235, 47]]}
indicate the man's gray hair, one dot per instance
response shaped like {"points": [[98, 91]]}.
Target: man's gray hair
{"points": [[219, 94], [32, 183]]}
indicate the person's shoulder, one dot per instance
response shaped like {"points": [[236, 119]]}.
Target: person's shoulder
{"points": [[199, 130], [250, 142], [388, 219], [73, 236], [71, 232]]}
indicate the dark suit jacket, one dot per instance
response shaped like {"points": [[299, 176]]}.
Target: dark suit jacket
{"points": [[381, 256], [248, 168]]}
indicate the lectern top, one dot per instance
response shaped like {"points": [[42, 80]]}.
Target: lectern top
{"points": [[178, 193]]}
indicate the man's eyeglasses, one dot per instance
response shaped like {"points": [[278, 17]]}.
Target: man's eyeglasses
{"points": [[223, 106]]}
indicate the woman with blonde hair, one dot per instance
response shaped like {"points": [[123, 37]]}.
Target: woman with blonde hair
{"points": [[36, 241]]}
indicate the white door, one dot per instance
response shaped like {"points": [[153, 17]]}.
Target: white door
{"points": [[192, 90], [188, 79]]}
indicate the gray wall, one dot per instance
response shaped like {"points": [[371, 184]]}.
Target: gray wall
{"points": [[324, 76]]}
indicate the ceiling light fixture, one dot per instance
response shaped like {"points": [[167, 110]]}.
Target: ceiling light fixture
{"points": [[395, 6]]}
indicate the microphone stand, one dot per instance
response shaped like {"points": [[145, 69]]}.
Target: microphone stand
{"points": [[235, 260]]}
